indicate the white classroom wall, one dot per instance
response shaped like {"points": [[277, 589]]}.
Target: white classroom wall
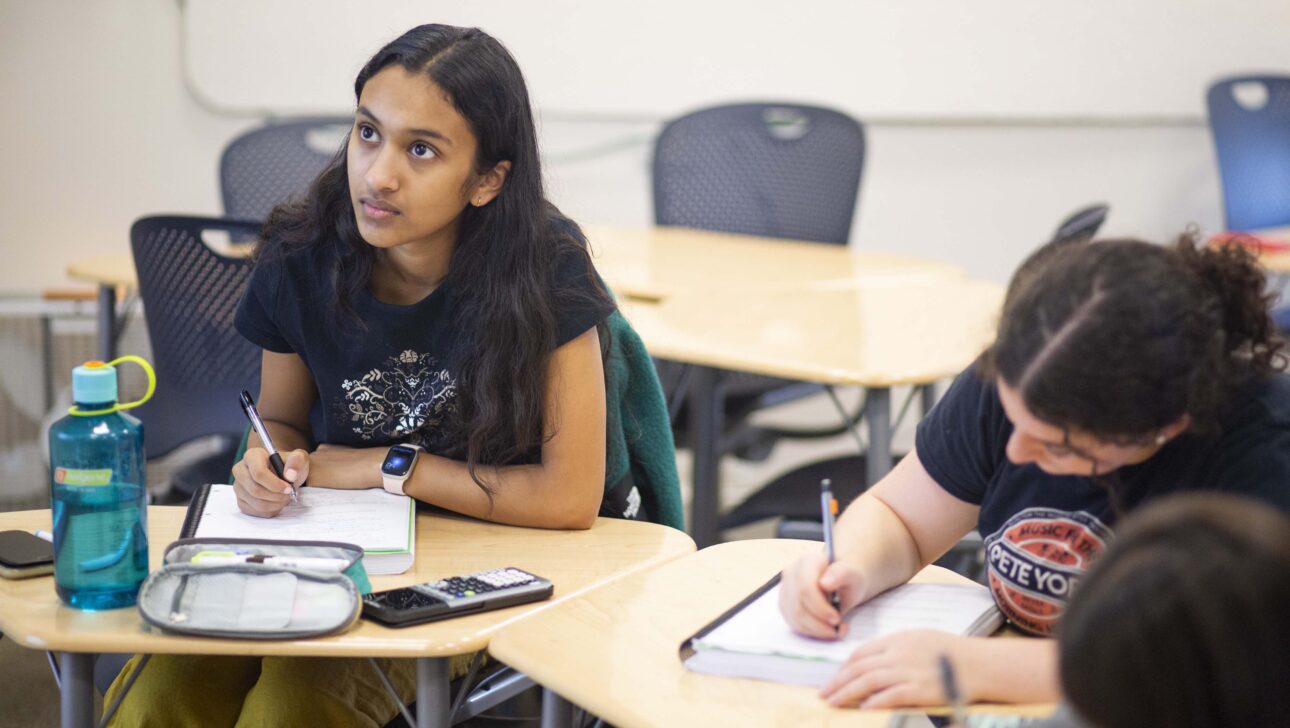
{"points": [[99, 127]]}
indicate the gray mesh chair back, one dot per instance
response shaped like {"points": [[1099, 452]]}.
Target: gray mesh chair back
{"points": [[1082, 225], [778, 170], [273, 163], [190, 294], [1250, 120]]}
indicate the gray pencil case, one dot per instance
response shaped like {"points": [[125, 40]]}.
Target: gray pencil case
{"points": [[251, 600]]}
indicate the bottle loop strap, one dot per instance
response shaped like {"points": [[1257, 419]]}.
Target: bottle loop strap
{"points": [[117, 407]]}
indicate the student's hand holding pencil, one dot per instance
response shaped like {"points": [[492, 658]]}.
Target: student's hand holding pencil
{"points": [[805, 590], [260, 492]]}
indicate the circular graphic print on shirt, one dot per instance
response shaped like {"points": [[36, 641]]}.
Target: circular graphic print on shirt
{"points": [[1036, 558]]}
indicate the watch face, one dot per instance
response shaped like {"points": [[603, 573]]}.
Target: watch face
{"points": [[398, 461]]}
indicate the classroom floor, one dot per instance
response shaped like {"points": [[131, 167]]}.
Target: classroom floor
{"points": [[28, 696]]}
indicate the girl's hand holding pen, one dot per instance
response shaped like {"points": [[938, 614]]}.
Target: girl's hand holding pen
{"points": [[260, 492], [805, 589]]}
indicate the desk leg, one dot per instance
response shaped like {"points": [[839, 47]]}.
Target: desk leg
{"points": [[556, 711], [76, 689], [705, 434], [877, 410], [928, 397], [433, 701], [107, 322]]}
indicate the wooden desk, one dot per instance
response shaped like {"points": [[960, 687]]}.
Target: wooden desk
{"points": [[615, 650], [876, 334], [110, 273], [575, 561], [658, 261]]}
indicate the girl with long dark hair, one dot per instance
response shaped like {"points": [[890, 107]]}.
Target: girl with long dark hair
{"points": [[1121, 371], [423, 296]]}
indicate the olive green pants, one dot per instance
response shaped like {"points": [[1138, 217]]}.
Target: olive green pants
{"points": [[207, 690]]}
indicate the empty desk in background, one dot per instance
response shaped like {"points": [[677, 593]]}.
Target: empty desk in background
{"points": [[615, 650], [876, 334], [109, 273], [574, 561], [651, 262]]}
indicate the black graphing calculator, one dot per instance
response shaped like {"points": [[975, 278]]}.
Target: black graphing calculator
{"points": [[456, 596]]}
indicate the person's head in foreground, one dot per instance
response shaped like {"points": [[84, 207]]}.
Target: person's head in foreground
{"points": [[1185, 621]]}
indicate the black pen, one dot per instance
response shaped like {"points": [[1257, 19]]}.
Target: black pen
{"points": [[828, 509], [952, 696], [275, 460]]}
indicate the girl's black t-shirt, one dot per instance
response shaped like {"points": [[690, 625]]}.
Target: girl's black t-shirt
{"points": [[1043, 531], [394, 378]]}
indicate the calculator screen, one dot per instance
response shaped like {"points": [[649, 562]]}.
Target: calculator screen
{"points": [[402, 599]]}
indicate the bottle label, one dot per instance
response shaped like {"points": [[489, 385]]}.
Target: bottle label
{"points": [[79, 476]]}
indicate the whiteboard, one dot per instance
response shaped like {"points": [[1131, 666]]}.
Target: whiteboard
{"points": [[915, 59]]}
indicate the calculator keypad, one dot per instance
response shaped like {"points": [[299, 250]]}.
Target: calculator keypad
{"points": [[481, 582]]}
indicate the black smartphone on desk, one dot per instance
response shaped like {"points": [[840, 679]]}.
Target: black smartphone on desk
{"points": [[456, 596], [23, 555]]}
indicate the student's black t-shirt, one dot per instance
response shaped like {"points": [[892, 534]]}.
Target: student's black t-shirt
{"points": [[1042, 531], [394, 378]]}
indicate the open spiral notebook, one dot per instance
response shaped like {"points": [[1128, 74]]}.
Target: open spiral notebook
{"points": [[753, 640], [380, 523]]}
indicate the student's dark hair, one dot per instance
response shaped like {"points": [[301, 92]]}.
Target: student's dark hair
{"points": [[503, 262], [1183, 620], [1120, 338]]}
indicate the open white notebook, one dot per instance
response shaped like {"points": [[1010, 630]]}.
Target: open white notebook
{"points": [[380, 523], [756, 642]]}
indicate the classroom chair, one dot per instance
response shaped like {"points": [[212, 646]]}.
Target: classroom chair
{"points": [[189, 293], [770, 169], [272, 163], [1249, 117], [1082, 225]]}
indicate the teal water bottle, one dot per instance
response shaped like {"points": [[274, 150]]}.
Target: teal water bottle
{"points": [[97, 492]]}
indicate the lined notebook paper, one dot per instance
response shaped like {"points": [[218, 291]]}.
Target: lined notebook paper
{"points": [[756, 642], [381, 523]]}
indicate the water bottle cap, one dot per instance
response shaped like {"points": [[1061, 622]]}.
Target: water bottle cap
{"points": [[94, 382]]}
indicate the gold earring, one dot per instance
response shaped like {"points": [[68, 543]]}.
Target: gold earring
{"points": [[1161, 439]]}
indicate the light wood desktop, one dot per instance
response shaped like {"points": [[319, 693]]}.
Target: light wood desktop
{"points": [[876, 333], [615, 651], [658, 261], [873, 334], [574, 561]]}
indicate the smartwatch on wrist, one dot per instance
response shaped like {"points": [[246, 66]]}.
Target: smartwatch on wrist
{"points": [[398, 465]]}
